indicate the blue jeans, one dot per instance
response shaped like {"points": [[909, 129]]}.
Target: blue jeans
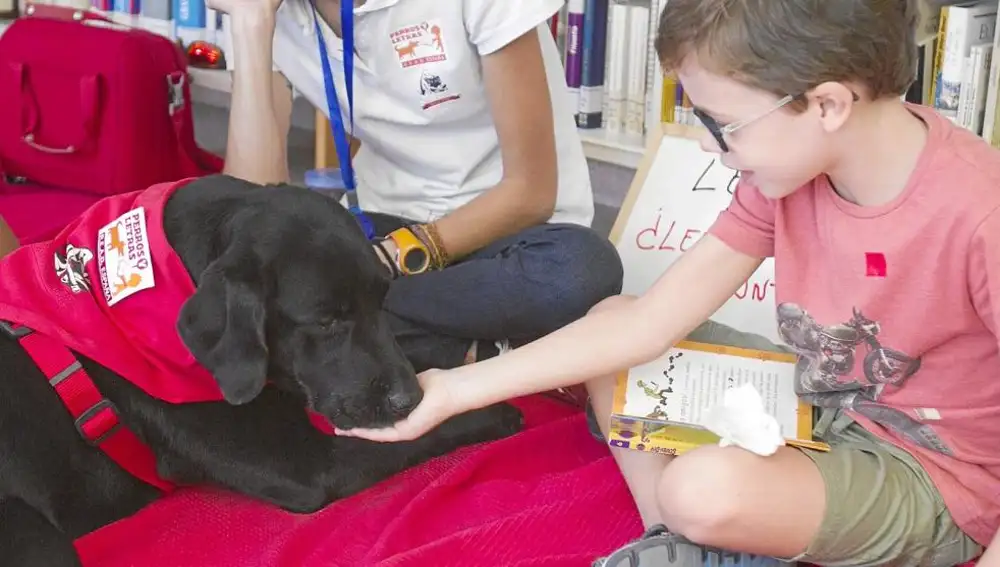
{"points": [[519, 288]]}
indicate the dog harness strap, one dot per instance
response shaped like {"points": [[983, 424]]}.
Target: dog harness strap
{"points": [[96, 417]]}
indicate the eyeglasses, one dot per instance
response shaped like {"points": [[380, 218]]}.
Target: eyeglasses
{"points": [[720, 132]]}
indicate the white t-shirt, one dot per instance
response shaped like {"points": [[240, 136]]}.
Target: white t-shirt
{"points": [[429, 144]]}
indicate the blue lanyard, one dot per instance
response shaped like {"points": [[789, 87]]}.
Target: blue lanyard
{"points": [[340, 142]]}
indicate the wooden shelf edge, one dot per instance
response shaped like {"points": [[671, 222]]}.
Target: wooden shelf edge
{"points": [[626, 149]]}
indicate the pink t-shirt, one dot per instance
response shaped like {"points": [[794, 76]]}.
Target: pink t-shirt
{"points": [[895, 310]]}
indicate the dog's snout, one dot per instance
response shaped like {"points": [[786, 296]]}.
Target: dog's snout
{"points": [[404, 400]]}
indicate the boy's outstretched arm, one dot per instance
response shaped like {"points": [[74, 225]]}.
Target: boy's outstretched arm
{"points": [[609, 341], [602, 343], [984, 284], [991, 558]]}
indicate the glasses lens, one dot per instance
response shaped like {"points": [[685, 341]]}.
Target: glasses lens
{"points": [[713, 128]]}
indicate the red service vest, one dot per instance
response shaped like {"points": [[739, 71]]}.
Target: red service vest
{"points": [[110, 287]]}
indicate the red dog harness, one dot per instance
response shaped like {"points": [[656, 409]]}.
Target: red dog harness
{"points": [[95, 416], [110, 287]]}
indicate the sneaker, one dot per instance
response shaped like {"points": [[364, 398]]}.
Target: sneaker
{"points": [[658, 547], [483, 350]]}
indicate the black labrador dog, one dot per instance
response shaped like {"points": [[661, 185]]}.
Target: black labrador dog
{"points": [[302, 262]]}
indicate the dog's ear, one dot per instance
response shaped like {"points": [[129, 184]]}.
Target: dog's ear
{"points": [[223, 325]]}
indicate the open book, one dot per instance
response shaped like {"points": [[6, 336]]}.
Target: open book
{"points": [[659, 406]]}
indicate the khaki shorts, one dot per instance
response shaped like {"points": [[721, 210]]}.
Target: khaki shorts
{"points": [[881, 506]]}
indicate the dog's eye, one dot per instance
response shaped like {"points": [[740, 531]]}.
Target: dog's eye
{"points": [[326, 324]]}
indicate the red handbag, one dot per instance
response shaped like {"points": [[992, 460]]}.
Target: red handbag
{"points": [[91, 105]]}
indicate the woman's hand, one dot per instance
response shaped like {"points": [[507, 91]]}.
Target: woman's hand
{"points": [[439, 403]]}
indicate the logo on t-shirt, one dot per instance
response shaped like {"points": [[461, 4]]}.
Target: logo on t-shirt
{"points": [[419, 44], [124, 258], [434, 91]]}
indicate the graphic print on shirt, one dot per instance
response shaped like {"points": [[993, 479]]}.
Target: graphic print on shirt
{"points": [[419, 44], [434, 91], [846, 366], [71, 268]]}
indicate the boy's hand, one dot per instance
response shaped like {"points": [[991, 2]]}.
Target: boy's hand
{"points": [[440, 402]]}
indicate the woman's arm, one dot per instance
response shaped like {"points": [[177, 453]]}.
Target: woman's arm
{"points": [[518, 90], [261, 107], [8, 242]]}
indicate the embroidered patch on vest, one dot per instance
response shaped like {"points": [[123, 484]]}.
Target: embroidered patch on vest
{"points": [[124, 258], [71, 268]]}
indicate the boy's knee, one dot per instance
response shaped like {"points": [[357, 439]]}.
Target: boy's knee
{"points": [[698, 493]]}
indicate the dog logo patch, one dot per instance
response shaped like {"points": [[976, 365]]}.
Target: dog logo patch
{"points": [[124, 258], [434, 91], [419, 44], [71, 268]]}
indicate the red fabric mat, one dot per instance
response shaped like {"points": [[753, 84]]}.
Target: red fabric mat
{"points": [[550, 496]]}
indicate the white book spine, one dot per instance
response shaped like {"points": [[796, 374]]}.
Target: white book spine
{"points": [[992, 85], [980, 87], [635, 117], [617, 54]]}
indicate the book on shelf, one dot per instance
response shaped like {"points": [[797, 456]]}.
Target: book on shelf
{"points": [[660, 407], [956, 73]]}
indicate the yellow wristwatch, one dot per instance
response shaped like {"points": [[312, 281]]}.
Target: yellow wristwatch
{"points": [[412, 255]]}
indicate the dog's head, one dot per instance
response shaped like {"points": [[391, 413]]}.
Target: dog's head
{"points": [[289, 291]]}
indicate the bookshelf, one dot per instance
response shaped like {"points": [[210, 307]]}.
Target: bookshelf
{"points": [[618, 148]]}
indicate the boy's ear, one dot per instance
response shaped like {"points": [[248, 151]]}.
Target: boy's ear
{"points": [[833, 102]]}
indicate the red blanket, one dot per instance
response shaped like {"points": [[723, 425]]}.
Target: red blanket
{"points": [[548, 497]]}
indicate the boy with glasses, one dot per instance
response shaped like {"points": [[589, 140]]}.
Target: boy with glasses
{"points": [[882, 217]]}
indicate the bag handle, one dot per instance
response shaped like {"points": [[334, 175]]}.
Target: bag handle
{"points": [[31, 115], [55, 12]]}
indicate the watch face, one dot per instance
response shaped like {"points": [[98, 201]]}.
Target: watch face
{"points": [[415, 261]]}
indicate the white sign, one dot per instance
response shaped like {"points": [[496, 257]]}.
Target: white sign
{"points": [[673, 201]]}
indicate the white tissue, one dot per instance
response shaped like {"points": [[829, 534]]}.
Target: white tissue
{"points": [[741, 420]]}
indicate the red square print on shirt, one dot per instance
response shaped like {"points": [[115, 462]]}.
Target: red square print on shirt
{"points": [[875, 266]]}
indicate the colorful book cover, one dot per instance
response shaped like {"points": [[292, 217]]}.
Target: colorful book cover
{"points": [[659, 406]]}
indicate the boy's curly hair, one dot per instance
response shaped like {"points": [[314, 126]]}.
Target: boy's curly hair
{"points": [[790, 46]]}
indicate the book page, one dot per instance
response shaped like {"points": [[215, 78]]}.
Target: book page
{"points": [[684, 384]]}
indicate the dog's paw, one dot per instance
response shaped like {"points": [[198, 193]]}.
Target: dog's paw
{"points": [[487, 424]]}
